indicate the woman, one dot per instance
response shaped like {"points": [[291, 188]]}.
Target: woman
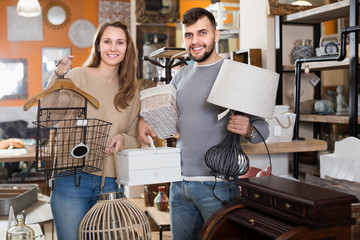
{"points": [[109, 76]]}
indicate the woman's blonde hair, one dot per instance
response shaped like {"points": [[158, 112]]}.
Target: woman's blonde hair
{"points": [[127, 68]]}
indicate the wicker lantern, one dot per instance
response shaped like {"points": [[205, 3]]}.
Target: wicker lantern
{"points": [[114, 217]]}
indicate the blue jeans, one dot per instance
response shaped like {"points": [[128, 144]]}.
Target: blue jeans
{"points": [[69, 203], [192, 203]]}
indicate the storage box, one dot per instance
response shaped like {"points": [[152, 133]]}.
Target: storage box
{"points": [[159, 109], [281, 126], [146, 166]]}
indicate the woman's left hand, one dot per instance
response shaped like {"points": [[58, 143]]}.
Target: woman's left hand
{"points": [[117, 142]]}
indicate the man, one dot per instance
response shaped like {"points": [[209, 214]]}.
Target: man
{"points": [[193, 200]]}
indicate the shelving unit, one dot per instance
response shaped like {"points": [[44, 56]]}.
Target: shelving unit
{"points": [[325, 118], [315, 16], [317, 66]]}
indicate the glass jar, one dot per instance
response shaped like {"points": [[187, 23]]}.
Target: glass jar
{"points": [[20, 231], [161, 201]]}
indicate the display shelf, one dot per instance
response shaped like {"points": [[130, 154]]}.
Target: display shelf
{"points": [[317, 66], [320, 14], [316, 16], [325, 118], [306, 145]]}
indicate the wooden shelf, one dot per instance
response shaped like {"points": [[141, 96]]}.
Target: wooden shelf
{"points": [[320, 14], [307, 145], [317, 66], [326, 118]]}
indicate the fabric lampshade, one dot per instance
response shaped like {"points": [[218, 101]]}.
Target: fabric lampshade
{"points": [[28, 8], [245, 88]]}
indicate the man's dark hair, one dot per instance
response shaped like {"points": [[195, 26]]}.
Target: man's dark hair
{"points": [[192, 15]]}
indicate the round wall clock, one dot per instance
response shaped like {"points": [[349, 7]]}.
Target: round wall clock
{"points": [[81, 33], [331, 48]]}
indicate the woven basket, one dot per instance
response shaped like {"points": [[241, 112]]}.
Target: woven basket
{"points": [[114, 217], [159, 109]]}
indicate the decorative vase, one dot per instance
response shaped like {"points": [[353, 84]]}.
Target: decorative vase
{"points": [[20, 231], [161, 201]]}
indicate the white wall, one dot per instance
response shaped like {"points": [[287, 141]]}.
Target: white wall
{"points": [[257, 30]]}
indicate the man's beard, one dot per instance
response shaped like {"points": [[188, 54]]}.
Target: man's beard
{"points": [[203, 57]]}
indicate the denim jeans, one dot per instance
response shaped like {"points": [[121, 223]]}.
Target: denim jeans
{"points": [[70, 203], [192, 203]]}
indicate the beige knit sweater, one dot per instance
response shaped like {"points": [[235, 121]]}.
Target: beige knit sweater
{"points": [[124, 122]]}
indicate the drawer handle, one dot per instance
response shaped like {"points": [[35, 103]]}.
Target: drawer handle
{"points": [[252, 221], [257, 195], [288, 205]]}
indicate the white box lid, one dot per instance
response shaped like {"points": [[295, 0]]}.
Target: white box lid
{"points": [[148, 151]]}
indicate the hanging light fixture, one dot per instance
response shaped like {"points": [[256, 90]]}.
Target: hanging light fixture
{"points": [[301, 3], [28, 8]]}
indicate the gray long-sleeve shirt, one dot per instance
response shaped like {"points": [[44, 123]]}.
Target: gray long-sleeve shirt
{"points": [[198, 124]]}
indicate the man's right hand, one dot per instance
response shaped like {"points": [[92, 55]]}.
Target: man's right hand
{"points": [[63, 66], [145, 129]]}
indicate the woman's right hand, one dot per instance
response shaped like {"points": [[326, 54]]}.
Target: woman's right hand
{"points": [[63, 66]]}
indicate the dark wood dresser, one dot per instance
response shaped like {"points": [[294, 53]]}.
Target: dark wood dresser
{"points": [[277, 208]]}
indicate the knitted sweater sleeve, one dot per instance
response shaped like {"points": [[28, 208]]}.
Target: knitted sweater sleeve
{"points": [[130, 136]]}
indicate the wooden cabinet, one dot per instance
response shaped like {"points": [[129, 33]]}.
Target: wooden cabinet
{"points": [[277, 208]]}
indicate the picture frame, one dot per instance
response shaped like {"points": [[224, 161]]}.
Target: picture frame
{"points": [[49, 58], [22, 29], [276, 8], [14, 83], [157, 11]]}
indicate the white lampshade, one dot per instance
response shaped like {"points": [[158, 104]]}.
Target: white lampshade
{"points": [[245, 88], [28, 8]]}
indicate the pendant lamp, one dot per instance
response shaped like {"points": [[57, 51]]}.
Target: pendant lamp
{"points": [[301, 3], [28, 8]]}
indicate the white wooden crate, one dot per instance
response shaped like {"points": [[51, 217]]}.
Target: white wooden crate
{"points": [[344, 163], [146, 166]]}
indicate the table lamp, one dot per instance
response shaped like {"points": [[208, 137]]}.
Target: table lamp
{"points": [[244, 89]]}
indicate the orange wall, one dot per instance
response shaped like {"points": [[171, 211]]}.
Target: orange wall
{"points": [[31, 50], [187, 4]]}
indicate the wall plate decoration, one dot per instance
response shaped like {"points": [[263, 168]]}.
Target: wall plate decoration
{"points": [[23, 28], [81, 33]]}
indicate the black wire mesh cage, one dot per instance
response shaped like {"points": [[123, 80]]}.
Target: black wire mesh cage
{"points": [[65, 146]]}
